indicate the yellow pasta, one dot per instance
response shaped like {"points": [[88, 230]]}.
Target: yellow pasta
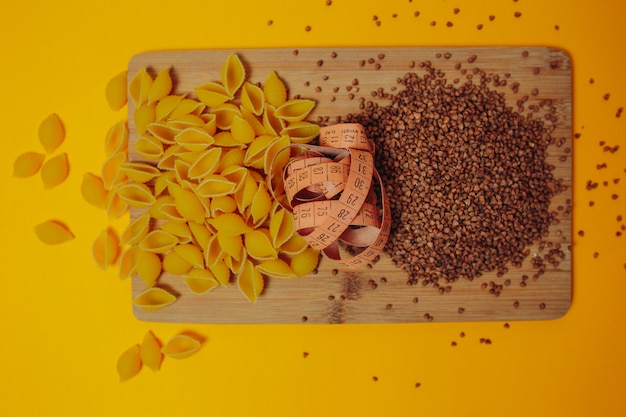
{"points": [[255, 153], [261, 204], [150, 352], [305, 262], [115, 206], [153, 299], [106, 248], [200, 281], [181, 346], [148, 266], [222, 204], [224, 115], [276, 268], [213, 252], [187, 106], [161, 86], [201, 234], [144, 115], [259, 245], [245, 195], [294, 110], [294, 245], [232, 245], [256, 122], [116, 139], [231, 158], [215, 185], [250, 281], [136, 195], [212, 94], [115, 91], [112, 174], [241, 130], [191, 253], [281, 227], [129, 363], [233, 74], [274, 90], [272, 124], [51, 133], [221, 272], [139, 87], [53, 232], [206, 163], [93, 191], [128, 262], [149, 147], [301, 132], [55, 170], [231, 224], [175, 264], [136, 230], [166, 105], [163, 132], [194, 139], [27, 164], [158, 241], [253, 98], [139, 171]]}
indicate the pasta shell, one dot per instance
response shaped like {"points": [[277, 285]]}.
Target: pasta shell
{"points": [[250, 282], [115, 206], [116, 139], [51, 133], [232, 245], [215, 185], [179, 229], [191, 253], [235, 265], [115, 91], [222, 204], [165, 133], [140, 172], [168, 211], [261, 204], [236, 175], [187, 106], [229, 224], [129, 363], [53, 232], [175, 264], [27, 164], [181, 346], [148, 266], [54, 171], [256, 122], [232, 157], [212, 94], [274, 90], [224, 115], [272, 124], [259, 246], [256, 151], [206, 163], [210, 123], [143, 116], [200, 281], [149, 147], [168, 160], [106, 248], [162, 182], [112, 174], [187, 120], [276, 268], [153, 299], [93, 191], [233, 74], [221, 272], [136, 230], [194, 139], [281, 227], [213, 252], [139, 87], [294, 245], [276, 156], [294, 110], [253, 98], [201, 234], [241, 130], [161, 87], [150, 352], [305, 262], [136, 195], [189, 206], [301, 132], [166, 105], [128, 262], [245, 194], [158, 241]]}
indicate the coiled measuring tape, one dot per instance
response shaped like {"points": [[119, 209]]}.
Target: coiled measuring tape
{"points": [[329, 192]]}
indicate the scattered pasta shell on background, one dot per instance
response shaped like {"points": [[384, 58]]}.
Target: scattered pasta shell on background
{"points": [[27, 164], [128, 262], [55, 170], [106, 248], [112, 174], [259, 245], [166, 105], [51, 133], [229, 224], [294, 245], [150, 351], [149, 147], [161, 87], [158, 241], [233, 74], [136, 195], [250, 281], [253, 98], [200, 281], [241, 130], [212, 94], [139, 87], [129, 363], [272, 124], [261, 204], [115, 91], [189, 206], [274, 90], [276, 268], [232, 245], [221, 205], [93, 191], [181, 346], [144, 115], [139, 172], [179, 229], [163, 132], [256, 122], [153, 299], [187, 106], [148, 266], [282, 227], [115, 206], [191, 253], [206, 163], [194, 139], [116, 139], [305, 262], [136, 230], [215, 185], [294, 110], [301, 132], [221, 272], [201, 234], [53, 232]]}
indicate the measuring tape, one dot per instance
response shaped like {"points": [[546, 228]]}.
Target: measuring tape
{"points": [[329, 192]]}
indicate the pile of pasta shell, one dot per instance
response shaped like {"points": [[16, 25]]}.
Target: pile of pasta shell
{"points": [[203, 206]]}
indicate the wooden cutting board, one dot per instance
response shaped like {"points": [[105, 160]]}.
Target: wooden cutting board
{"points": [[380, 294]]}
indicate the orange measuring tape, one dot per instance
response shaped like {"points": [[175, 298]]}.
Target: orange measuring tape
{"points": [[329, 192]]}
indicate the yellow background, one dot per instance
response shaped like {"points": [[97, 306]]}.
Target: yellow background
{"points": [[64, 322]]}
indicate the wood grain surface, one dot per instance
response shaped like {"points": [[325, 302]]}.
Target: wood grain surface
{"points": [[338, 78]]}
